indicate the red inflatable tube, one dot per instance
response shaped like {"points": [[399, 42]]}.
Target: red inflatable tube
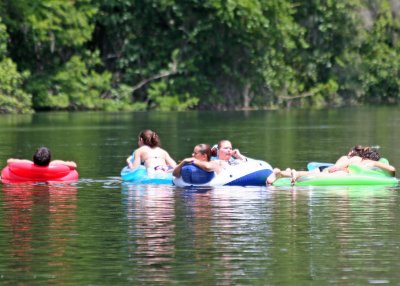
{"points": [[24, 172]]}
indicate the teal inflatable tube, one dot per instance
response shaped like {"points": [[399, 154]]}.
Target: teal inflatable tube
{"points": [[314, 165], [140, 176]]}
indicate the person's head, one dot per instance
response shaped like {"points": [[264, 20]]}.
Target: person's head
{"points": [[224, 150], [42, 156], [149, 138], [356, 151], [202, 152], [371, 154]]}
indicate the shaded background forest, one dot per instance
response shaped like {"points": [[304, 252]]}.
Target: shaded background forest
{"points": [[199, 54]]}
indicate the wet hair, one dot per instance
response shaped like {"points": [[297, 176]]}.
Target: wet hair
{"points": [[150, 138], [42, 156], [205, 149], [214, 149], [364, 152], [371, 153], [357, 150]]}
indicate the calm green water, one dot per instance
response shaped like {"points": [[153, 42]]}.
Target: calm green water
{"points": [[101, 231]]}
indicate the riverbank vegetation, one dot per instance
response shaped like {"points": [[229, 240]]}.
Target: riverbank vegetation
{"points": [[198, 54]]}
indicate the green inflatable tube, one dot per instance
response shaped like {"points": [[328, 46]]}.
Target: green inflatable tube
{"points": [[358, 176]]}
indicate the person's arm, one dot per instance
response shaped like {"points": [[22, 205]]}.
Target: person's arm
{"points": [[129, 161], [12, 160], [136, 161], [237, 155], [177, 170], [170, 162], [385, 167], [342, 163], [208, 166], [70, 164]]}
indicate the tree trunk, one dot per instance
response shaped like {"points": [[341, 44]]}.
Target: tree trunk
{"points": [[247, 96]]}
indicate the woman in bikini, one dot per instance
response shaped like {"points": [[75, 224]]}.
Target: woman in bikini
{"points": [[365, 156], [154, 158]]}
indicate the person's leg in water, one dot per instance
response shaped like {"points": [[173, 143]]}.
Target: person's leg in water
{"points": [[278, 173], [288, 173]]}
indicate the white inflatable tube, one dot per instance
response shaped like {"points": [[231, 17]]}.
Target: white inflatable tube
{"points": [[241, 173]]}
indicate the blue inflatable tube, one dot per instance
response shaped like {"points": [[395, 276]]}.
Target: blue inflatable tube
{"points": [[248, 173]]}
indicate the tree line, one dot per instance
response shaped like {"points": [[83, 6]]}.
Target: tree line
{"points": [[197, 54]]}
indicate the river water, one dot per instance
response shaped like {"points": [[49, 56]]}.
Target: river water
{"points": [[103, 231]]}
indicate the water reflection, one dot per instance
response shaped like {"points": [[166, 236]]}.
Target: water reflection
{"points": [[151, 230], [227, 235], [241, 216], [38, 222], [197, 229], [345, 233], [219, 231]]}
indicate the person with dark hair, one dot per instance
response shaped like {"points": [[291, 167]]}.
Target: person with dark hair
{"points": [[371, 153], [151, 154], [201, 157], [372, 158], [359, 155], [42, 157], [355, 155]]}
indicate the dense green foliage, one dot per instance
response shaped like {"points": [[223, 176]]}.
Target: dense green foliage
{"points": [[178, 55], [13, 99]]}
